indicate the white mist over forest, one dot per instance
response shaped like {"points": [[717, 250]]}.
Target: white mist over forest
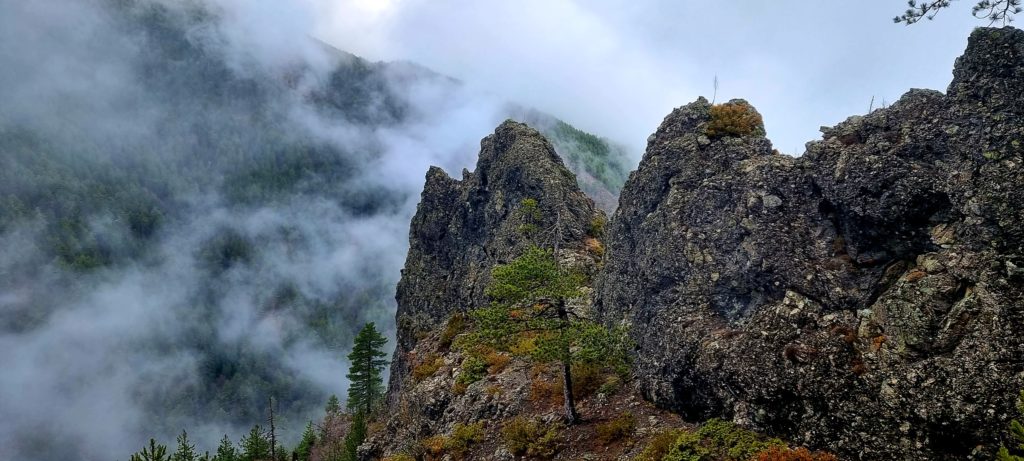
{"points": [[158, 274], [202, 201]]}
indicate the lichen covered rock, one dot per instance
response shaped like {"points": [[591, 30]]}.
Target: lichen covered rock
{"points": [[866, 297], [463, 228]]}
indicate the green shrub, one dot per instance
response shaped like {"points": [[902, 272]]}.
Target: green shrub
{"points": [[616, 429], [1017, 434], [529, 216], [531, 438], [738, 443], [688, 447], [596, 228], [610, 386], [719, 440], [734, 119], [456, 324], [659, 445], [463, 437], [473, 369], [400, 457]]}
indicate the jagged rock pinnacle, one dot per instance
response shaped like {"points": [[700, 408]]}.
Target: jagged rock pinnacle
{"points": [[463, 228]]}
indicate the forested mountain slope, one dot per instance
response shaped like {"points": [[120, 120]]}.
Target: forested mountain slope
{"points": [[190, 224]]}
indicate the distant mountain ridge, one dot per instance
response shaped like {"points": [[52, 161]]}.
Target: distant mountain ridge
{"points": [[237, 213]]}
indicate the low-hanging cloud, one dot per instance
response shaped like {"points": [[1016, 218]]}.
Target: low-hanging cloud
{"points": [[100, 360], [617, 67]]}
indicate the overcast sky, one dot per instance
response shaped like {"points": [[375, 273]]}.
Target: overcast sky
{"points": [[617, 67]]}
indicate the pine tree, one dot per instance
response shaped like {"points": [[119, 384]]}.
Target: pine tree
{"points": [[254, 446], [992, 10], [1017, 434], [366, 363], [185, 451], [155, 452], [333, 406], [530, 294], [356, 436], [226, 450], [331, 414], [306, 444]]}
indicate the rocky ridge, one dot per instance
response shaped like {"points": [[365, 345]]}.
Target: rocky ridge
{"points": [[463, 228], [864, 298]]}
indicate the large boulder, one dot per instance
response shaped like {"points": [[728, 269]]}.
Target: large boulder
{"points": [[867, 297]]}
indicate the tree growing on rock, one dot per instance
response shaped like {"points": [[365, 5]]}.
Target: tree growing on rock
{"points": [[530, 296], [366, 386]]}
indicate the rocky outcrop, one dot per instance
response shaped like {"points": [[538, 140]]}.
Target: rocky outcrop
{"points": [[463, 228], [867, 297]]}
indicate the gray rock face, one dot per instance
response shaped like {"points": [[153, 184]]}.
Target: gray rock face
{"points": [[867, 297], [463, 228]]}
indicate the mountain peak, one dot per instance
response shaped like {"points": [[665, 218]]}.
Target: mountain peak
{"points": [[520, 194]]}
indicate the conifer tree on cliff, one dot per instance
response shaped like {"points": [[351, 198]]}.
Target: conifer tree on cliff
{"points": [[530, 296], [366, 362]]}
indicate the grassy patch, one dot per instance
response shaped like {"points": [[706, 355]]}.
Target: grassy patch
{"points": [[532, 438], [616, 429], [426, 367], [734, 119], [659, 445]]}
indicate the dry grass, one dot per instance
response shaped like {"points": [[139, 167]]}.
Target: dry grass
{"points": [[594, 246], [734, 119], [799, 454], [616, 429], [496, 361], [545, 392], [532, 438], [434, 446], [586, 380], [426, 367]]}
